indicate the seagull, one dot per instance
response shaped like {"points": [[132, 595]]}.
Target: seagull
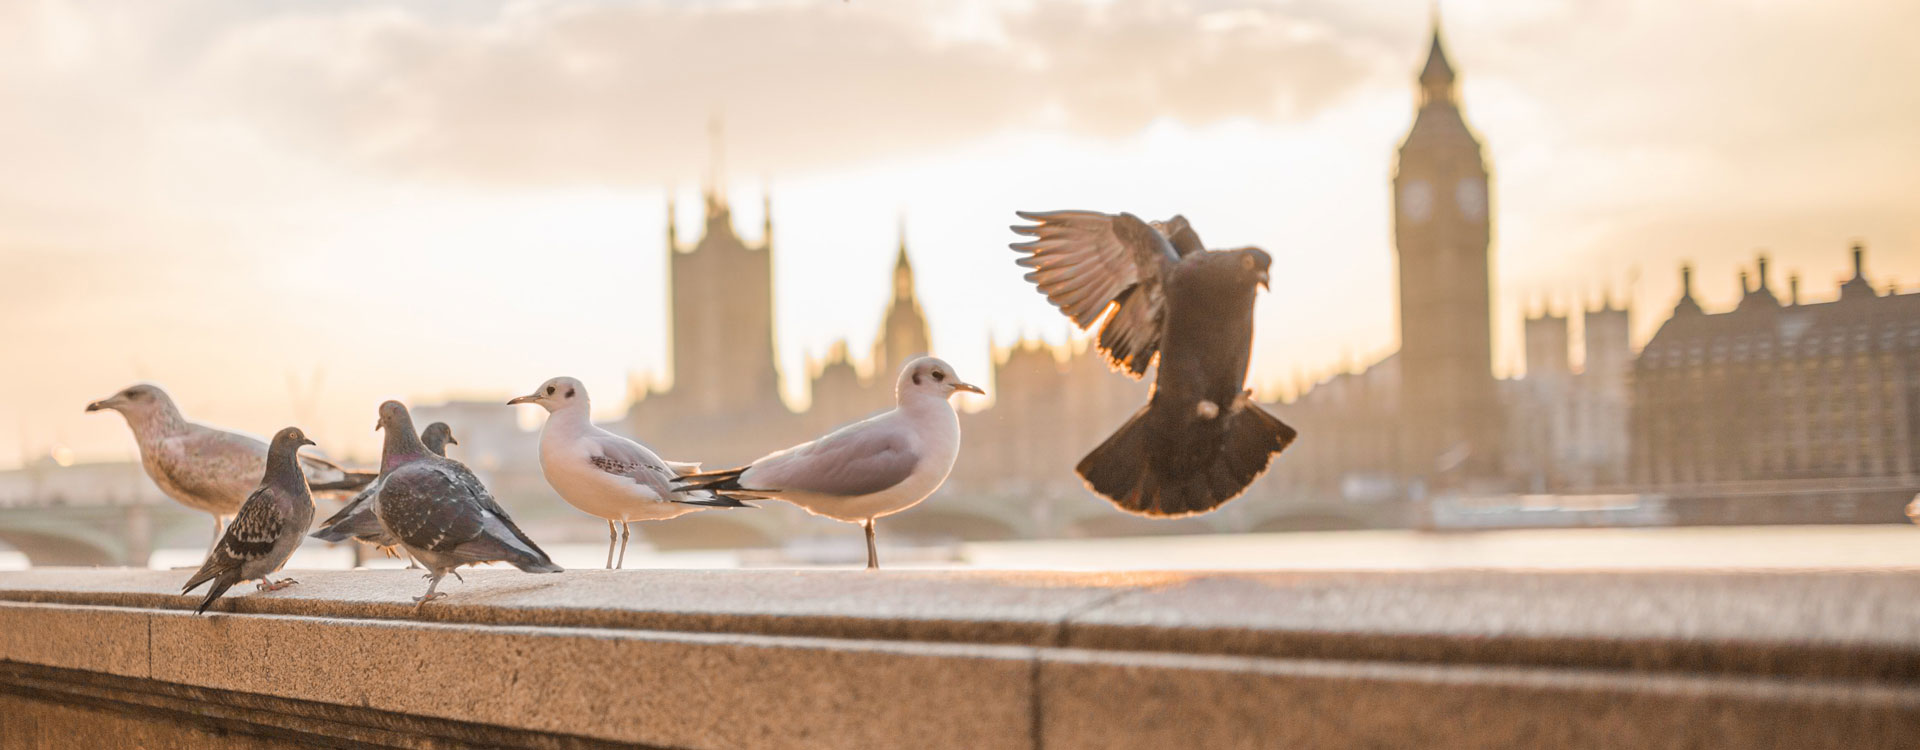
{"points": [[206, 468], [356, 520], [605, 474], [1201, 439], [882, 465], [440, 513], [268, 528]]}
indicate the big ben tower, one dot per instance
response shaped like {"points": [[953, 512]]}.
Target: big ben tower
{"points": [[1442, 226]]}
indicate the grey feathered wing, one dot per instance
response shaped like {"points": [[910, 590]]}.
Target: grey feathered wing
{"points": [[250, 537], [441, 508], [860, 459], [1087, 262]]}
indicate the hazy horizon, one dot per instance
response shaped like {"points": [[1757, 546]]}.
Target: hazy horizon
{"points": [[443, 200]]}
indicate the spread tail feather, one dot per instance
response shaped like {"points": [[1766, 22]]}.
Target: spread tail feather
{"points": [[725, 479], [718, 500], [1121, 469]]}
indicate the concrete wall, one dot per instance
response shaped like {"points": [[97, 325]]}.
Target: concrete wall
{"points": [[851, 659]]}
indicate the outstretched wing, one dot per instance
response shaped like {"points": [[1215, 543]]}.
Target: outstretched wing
{"points": [[1087, 262]]}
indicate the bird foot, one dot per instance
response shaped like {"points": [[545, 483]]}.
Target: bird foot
{"points": [[275, 585], [456, 576], [419, 600]]}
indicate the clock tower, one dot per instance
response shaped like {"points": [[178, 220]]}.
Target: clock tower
{"points": [[1442, 227]]}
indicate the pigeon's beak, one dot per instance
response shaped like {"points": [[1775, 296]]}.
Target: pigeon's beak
{"points": [[527, 399], [377, 424], [1263, 281], [105, 403], [451, 441], [969, 387], [305, 441]]}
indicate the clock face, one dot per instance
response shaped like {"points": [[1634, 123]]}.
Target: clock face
{"points": [[1471, 194], [1416, 200]]}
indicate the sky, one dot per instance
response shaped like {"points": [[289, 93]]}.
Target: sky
{"points": [[287, 211]]}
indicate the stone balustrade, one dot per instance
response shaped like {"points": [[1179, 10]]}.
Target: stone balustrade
{"points": [[966, 659]]}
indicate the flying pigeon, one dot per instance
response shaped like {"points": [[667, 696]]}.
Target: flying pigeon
{"points": [[205, 468], [607, 475], [882, 465], [1201, 439], [356, 520], [439, 511], [268, 528]]}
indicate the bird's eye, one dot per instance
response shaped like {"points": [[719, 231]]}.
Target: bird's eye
{"points": [[569, 393], [549, 390], [938, 375], [1246, 262]]}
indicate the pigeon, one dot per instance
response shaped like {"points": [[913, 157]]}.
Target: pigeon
{"points": [[440, 513], [268, 528], [1200, 440], [205, 468], [876, 467], [607, 475], [356, 519]]}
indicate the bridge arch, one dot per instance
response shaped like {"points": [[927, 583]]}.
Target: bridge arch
{"points": [[74, 546]]}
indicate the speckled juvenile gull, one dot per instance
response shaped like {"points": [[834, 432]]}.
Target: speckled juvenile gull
{"points": [[440, 512], [356, 520], [267, 530], [206, 468], [869, 469], [607, 475]]}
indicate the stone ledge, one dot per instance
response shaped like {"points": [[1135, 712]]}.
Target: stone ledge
{"points": [[987, 659]]}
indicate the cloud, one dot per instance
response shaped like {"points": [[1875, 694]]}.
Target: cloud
{"points": [[568, 93]]}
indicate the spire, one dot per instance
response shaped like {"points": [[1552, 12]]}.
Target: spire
{"points": [[1436, 78], [902, 267], [1687, 304], [1858, 285], [716, 145], [673, 231]]}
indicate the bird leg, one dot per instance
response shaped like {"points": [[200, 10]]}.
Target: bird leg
{"points": [[413, 564], [271, 585], [456, 575], [613, 535], [434, 582], [626, 530], [873, 555]]}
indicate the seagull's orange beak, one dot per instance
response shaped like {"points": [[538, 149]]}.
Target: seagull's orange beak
{"points": [[969, 387], [527, 399]]}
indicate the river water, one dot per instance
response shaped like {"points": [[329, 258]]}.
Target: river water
{"points": [[1761, 547]]}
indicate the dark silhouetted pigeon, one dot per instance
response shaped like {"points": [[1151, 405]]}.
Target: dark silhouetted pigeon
{"points": [[440, 513], [267, 529], [1201, 439]]}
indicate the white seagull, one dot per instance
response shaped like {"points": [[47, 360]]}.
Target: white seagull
{"points": [[876, 467], [605, 474]]}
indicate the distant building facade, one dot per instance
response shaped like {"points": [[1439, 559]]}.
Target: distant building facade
{"points": [[1567, 430], [1791, 394]]}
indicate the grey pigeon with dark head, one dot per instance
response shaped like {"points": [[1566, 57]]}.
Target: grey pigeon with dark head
{"points": [[205, 468], [267, 529], [1201, 439], [439, 511], [357, 521]]}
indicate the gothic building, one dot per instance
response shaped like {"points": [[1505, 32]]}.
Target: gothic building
{"points": [[1567, 429], [1819, 395], [1442, 230]]}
